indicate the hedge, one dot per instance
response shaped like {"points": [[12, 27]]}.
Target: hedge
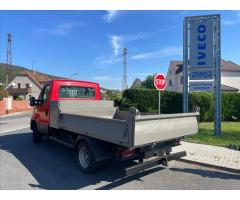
{"points": [[146, 100]]}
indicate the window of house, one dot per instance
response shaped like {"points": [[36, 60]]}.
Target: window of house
{"points": [[27, 85], [19, 85], [181, 80], [170, 82]]}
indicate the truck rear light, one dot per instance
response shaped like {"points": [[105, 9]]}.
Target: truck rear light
{"points": [[127, 153], [178, 142]]}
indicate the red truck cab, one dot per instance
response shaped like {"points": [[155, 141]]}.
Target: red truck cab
{"points": [[60, 90]]}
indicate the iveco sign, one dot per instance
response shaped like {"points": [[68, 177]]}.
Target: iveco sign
{"points": [[202, 60], [201, 43]]}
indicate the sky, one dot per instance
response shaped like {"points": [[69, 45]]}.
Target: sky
{"points": [[87, 45]]}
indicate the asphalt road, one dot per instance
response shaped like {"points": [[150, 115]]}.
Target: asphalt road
{"points": [[49, 165], [14, 122]]}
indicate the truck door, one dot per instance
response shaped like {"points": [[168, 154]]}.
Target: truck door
{"points": [[43, 110]]}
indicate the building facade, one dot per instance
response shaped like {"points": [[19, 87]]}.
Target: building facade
{"points": [[230, 76], [26, 84]]}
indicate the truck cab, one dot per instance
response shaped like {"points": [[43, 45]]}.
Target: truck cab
{"points": [[55, 90]]}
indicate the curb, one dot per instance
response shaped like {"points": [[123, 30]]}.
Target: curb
{"points": [[14, 114], [228, 169]]}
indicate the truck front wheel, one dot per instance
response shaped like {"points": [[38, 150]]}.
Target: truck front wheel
{"points": [[37, 137], [86, 158]]}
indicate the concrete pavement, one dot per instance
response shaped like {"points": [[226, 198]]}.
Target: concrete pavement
{"points": [[208, 155]]}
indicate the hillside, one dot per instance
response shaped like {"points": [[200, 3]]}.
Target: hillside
{"points": [[13, 70]]}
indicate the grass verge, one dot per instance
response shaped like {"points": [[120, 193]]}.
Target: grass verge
{"points": [[230, 135]]}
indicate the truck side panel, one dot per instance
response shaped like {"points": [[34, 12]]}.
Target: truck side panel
{"points": [[110, 130]]}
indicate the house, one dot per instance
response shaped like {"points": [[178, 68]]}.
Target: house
{"points": [[230, 76], [26, 84]]}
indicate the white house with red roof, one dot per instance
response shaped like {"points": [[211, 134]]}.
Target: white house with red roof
{"points": [[26, 84]]}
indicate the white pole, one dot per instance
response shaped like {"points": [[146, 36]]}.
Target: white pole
{"points": [[159, 102]]}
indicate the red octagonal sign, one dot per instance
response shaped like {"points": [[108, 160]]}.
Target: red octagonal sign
{"points": [[160, 82]]}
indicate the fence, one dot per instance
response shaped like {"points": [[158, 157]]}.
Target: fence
{"points": [[11, 106]]}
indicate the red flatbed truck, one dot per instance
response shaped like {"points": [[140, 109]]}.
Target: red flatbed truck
{"points": [[71, 112]]}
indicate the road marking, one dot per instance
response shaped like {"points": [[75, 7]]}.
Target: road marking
{"points": [[15, 129]]}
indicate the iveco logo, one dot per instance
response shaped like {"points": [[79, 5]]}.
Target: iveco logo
{"points": [[201, 45]]}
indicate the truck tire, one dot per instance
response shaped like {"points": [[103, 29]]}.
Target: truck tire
{"points": [[86, 158], [37, 136]]}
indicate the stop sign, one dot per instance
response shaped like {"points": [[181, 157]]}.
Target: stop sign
{"points": [[160, 82]]}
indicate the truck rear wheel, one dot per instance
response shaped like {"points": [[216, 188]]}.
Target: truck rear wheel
{"points": [[86, 158], [37, 136]]}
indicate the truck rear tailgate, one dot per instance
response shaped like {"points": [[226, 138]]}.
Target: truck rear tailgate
{"points": [[154, 128]]}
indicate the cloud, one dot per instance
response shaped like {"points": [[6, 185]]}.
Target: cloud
{"points": [[61, 29], [142, 74], [103, 60], [106, 78], [143, 35], [116, 42], [166, 52], [228, 22], [110, 15]]}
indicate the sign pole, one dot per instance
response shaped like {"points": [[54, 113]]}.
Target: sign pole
{"points": [[185, 65], [217, 77], [159, 102]]}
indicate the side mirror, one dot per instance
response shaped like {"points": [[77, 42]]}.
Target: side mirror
{"points": [[32, 101]]}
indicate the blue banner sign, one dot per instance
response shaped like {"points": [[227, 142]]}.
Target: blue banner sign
{"points": [[201, 43], [200, 75], [202, 86]]}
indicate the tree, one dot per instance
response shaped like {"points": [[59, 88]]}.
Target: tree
{"points": [[148, 83], [3, 93], [137, 83]]}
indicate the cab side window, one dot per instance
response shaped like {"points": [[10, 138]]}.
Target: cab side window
{"points": [[45, 93]]}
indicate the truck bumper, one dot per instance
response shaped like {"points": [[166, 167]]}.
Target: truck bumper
{"points": [[152, 163]]}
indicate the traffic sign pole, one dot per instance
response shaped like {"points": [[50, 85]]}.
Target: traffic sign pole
{"points": [[159, 102]]}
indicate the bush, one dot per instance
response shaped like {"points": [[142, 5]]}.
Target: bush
{"points": [[231, 106], [19, 99], [3, 93], [146, 100], [205, 102]]}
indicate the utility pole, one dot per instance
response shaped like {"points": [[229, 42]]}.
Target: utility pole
{"points": [[9, 56], [6, 82], [124, 77], [9, 49]]}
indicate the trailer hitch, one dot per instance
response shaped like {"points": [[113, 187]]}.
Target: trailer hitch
{"points": [[153, 162]]}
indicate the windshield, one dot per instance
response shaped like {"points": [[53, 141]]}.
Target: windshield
{"points": [[76, 92]]}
